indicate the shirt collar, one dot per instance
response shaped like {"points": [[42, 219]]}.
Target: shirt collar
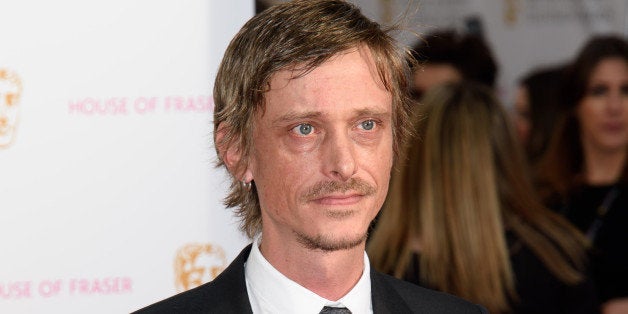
{"points": [[272, 292]]}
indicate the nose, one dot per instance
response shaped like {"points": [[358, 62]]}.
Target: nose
{"points": [[339, 160], [616, 102]]}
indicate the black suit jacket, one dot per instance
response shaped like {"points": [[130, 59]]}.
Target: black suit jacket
{"points": [[227, 294]]}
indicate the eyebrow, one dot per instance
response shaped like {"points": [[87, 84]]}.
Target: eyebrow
{"points": [[308, 115], [373, 113], [295, 116]]}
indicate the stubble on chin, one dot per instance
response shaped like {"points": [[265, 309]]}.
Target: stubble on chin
{"points": [[329, 244]]}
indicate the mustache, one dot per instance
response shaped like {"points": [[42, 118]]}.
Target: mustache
{"points": [[328, 187]]}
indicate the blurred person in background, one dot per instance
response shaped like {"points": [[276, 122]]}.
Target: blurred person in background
{"points": [[462, 216], [536, 109], [446, 56], [584, 173]]}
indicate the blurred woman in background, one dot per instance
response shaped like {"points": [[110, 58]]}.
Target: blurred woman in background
{"points": [[447, 56], [537, 108], [584, 174], [463, 218]]}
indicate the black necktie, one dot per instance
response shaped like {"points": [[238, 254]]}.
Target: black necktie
{"points": [[335, 310]]}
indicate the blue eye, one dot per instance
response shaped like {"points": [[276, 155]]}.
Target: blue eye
{"points": [[367, 125], [303, 129]]}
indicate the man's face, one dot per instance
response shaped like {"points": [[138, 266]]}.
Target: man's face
{"points": [[322, 153]]}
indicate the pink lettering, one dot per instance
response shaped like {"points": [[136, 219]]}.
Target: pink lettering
{"points": [[144, 105], [15, 290], [173, 102], [100, 286], [90, 106], [49, 288], [189, 104]]}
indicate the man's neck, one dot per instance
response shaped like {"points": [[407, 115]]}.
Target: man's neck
{"points": [[330, 275]]}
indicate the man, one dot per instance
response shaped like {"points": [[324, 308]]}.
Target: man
{"points": [[311, 106]]}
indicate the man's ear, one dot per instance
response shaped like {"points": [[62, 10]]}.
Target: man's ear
{"points": [[231, 154]]}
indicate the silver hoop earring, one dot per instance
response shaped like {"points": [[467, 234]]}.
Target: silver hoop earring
{"points": [[246, 185]]}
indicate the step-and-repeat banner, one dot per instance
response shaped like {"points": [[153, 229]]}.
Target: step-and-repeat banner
{"points": [[109, 199]]}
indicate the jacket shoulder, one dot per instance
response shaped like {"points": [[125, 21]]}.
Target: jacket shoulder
{"points": [[225, 294]]}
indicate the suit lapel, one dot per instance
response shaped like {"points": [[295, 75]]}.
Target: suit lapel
{"points": [[233, 283], [384, 296], [232, 286]]}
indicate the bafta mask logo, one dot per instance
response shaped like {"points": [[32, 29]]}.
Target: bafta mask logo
{"points": [[10, 93], [196, 264]]}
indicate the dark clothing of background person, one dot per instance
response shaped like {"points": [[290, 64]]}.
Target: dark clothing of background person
{"points": [[609, 253], [539, 291]]}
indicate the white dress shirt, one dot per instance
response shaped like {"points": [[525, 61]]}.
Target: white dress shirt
{"points": [[271, 292]]}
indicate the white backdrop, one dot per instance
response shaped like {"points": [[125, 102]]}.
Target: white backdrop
{"points": [[110, 171]]}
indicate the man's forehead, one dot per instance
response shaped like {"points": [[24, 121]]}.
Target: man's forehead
{"points": [[344, 86], [297, 71]]}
